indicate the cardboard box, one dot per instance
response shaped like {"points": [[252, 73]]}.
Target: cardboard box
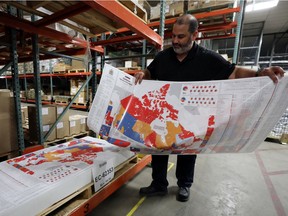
{"points": [[59, 111], [176, 8], [129, 64], [83, 121], [45, 129], [78, 64], [7, 106], [75, 85], [48, 115], [155, 11], [81, 99], [25, 111], [61, 67], [74, 126], [8, 129], [8, 134], [62, 129]]}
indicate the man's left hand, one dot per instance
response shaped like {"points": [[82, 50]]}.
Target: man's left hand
{"points": [[274, 72]]}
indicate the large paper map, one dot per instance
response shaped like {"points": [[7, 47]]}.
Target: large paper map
{"points": [[186, 117]]}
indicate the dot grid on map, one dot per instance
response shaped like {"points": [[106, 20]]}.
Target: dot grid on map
{"points": [[199, 95], [58, 173]]}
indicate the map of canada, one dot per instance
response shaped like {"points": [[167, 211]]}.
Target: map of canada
{"points": [[74, 151], [152, 121]]}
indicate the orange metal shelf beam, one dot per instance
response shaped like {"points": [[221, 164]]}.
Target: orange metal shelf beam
{"points": [[26, 26], [170, 21], [62, 14], [49, 102], [52, 75], [200, 15], [122, 15]]}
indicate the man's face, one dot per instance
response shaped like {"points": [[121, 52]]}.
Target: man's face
{"points": [[182, 39]]}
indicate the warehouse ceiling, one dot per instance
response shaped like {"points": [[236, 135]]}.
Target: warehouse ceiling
{"points": [[274, 24]]}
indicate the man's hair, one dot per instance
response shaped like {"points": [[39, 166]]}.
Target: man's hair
{"points": [[188, 19]]}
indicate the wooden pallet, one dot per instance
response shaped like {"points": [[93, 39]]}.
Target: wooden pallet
{"points": [[65, 139], [82, 70], [61, 102], [59, 72], [85, 199], [79, 104]]}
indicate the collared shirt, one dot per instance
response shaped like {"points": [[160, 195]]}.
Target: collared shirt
{"points": [[199, 65]]}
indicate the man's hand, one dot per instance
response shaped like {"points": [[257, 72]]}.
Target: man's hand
{"points": [[139, 76], [273, 72]]}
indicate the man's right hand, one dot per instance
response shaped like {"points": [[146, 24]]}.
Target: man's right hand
{"points": [[139, 76]]}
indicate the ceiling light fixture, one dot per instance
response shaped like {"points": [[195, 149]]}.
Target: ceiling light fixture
{"points": [[255, 6]]}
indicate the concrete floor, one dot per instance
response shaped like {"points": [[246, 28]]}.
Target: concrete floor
{"points": [[252, 184]]}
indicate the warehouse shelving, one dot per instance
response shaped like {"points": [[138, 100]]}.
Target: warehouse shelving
{"points": [[103, 13], [96, 18]]}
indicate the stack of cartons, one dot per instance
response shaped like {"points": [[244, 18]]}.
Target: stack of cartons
{"points": [[75, 85], [49, 115], [62, 128], [61, 67], [24, 114], [48, 119], [204, 4], [176, 8], [8, 129], [78, 124], [155, 11]]}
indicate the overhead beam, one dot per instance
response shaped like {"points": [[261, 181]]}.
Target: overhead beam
{"points": [[119, 13], [171, 21], [39, 13], [62, 14], [26, 26], [218, 27], [117, 40]]}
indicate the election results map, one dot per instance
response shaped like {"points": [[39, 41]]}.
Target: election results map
{"points": [[49, 175], [186, 117]]}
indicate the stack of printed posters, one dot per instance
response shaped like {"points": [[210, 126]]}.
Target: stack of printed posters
{"points": [[33, 182]]}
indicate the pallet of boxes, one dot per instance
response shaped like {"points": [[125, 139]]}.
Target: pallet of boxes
{"points": [[61, 67], [8, 128], [66, 128], [75, 85]]}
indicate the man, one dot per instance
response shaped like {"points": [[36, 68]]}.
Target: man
{"points": [[187, 61]]}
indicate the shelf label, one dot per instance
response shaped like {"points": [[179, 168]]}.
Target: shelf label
{"points": [[103, 172]]}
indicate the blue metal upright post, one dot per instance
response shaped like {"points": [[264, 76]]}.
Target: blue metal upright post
{"points": [[162, 20], [37, 86], [16, 90], [239, 28], [16, 84]]}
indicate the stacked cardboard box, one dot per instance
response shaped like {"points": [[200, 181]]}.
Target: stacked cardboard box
{"points": [[77, 124], [8, 129], [67, 125], [62, 128], [75, 85], [211, 4], [48, 119]]}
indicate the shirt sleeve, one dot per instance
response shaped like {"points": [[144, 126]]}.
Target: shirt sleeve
{"points": [[222, 68]]}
